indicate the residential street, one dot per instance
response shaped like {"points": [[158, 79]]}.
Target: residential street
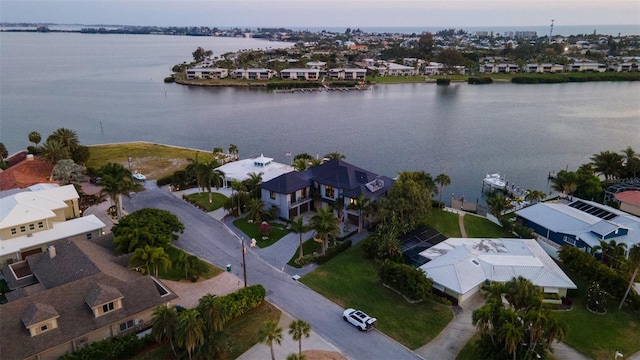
{"points": [[212, 240]]}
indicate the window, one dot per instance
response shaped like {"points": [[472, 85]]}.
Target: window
{"points": [[23, 228], [272, 195], [32, 226], [329, 191], [127, 325], [14, 231], [40, 224], [303, 193], [108, 307], [89, 236], [44, 328]]}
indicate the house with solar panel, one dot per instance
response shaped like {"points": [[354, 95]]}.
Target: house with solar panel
{"points": [[333, 180], [579, 223]]}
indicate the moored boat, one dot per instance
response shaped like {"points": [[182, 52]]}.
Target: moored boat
{"points": [[495, 181]]}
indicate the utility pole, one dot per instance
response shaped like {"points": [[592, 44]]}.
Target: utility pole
{"points": [[244, 264]]}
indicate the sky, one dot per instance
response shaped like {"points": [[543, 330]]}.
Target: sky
{"points": [[322, 13]]}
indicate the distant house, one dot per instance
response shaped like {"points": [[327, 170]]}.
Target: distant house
{"points": [[579, 223], [242, 169], [499, 68], [207, 73], [334, 180], [433, 68], [74, 294], [316, 65], [253, 74], [347, 74], [301, 74], [629, 201], [543, 68], [459, 267], [32, 218], [624, 67], [585, 66]]}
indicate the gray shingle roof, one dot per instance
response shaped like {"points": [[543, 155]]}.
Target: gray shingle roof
{"points": [[102, 294], [286, 183], [38, 312]]}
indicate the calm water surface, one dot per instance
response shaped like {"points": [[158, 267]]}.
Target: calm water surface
{"points": [[109, 88]]}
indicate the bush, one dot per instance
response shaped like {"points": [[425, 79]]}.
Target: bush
{"points": [[243, 300], [333, 251], [443, 81], [480, 80], [170, 79], [165, 180], [411, 282], [117, 347]]}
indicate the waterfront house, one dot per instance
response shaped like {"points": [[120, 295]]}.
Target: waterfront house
{"points": [[347, 74], [72, 295], [32, 218], [543, 68], [579, 223], [433, 68], [242, 169], [499, 68], [624, 67], [585, 66], [333, 180], [207, 73], [253, 74], [629, 201], [459, 267], [301, 74]]}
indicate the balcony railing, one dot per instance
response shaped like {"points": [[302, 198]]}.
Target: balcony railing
{"points": [[299, 200]]}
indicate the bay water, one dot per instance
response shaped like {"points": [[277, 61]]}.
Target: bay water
{"points": [[109, 88]]}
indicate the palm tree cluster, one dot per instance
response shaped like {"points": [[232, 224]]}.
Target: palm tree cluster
{"points": [[521, 328], [271, 334], [583, 183], [613, 254], [612, 165], [205, 175], [61, 144], [304, 161]]}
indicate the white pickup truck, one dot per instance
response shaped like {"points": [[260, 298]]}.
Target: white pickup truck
{"points": [[359, 319]]}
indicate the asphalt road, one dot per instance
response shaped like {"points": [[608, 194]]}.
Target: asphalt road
{"points": [[214, 242]]}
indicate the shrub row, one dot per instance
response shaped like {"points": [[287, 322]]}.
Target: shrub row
{"points": [[591, 269], [443, 81], [480, 80], [333, 251], [411, 282], [293, 85], [243, 300], [115, 348]]}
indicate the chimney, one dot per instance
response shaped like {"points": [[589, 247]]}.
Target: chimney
{"points": [[52, 251]]}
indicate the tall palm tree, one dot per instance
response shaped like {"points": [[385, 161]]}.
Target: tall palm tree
{"points": [[255, 209], [68, 139], [53, 151], [498, 204], [325, 225], [300, 164], [35, 138], [240, 188], [212, 313], [190, 330], [233, 150], [116, 181], [608, 163], [299, 329], [513, 336], [634, 263], [442, 180], [359, 204], [271, 334], [183, 263], [334, 155], [164, 321], [299, 227], [210, 175], [535, 195], [253, 184], [631, 162], [159, 259]]}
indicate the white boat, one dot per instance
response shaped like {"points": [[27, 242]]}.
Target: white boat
{"points": [[495, 181], [136, 175]]}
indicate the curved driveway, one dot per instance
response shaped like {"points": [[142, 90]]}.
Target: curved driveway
{"points": [[212, 240]]}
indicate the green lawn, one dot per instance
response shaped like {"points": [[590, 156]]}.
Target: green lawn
{"points": [[278, 230], [202, 200], [599, 336], [175, 274], [477, 226], [470, 349], [308, 247], [445, 222], [349, 280]]}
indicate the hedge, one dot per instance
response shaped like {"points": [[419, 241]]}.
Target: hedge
{"points": [[114, 348], [243, 300], [480, 80], [409, 281], [333, 251]]}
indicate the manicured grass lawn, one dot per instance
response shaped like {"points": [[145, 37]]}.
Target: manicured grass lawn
{"points": [[349, 280], [251, 231], [599, 336], [477, 226], [445, 222], [470, 350], [175, 274], [308, 247], [202, 200], [153, 160]]}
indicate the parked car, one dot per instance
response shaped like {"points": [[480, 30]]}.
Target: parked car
{"points": [[359, 319]]}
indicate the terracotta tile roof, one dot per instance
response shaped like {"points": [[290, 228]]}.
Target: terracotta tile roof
{"points": [[26, 173], [629, 197]]}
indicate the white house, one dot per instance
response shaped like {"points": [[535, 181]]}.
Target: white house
{"points": [[207, 73], [39, 215], [242, 169], [253, 74], [433, 68], [300, 74], [459, 267], [498, 68], [586, 66], [543, 68], [347, 74]]}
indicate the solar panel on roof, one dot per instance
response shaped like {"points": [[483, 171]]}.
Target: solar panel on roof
{"points": [[593, 210]]}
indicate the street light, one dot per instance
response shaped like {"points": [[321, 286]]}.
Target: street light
{"points": [[244, 265]]}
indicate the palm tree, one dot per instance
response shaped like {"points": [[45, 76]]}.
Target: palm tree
{"points": [[68, 139], [196, 171], [535, 195], [300, 164], [360, 204], [3, 152], [190, 331], [35, 138], [442, 180], [513, 336], [634, 263], [53, 151], [631, 162], [164, 321], [334, 155], [314, 162], [608, 164], [116, 181], [269, 334], [233, 150], [239, 187], [212, 312], [498, 204], [159, 259], [183, 263], [612, 252], [566, 182], [325, 225], [299, 329], [299, 227], [253, 184], [255, 209], [211, 176]]}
